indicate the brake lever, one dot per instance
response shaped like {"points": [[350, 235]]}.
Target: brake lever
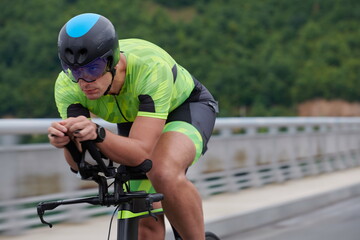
{"points": [[41, 212], [45, 222], [149, 208], [155, 197], [43, 206]]}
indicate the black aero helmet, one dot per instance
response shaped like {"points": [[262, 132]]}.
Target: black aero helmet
{"points": [[87, 37]]}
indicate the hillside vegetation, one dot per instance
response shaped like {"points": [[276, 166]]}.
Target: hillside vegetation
{"points": [[259, 58]]}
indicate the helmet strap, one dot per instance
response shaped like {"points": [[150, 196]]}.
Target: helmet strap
{"points": [[112, 71]]}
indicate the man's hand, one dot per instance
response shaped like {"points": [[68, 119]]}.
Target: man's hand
{"points": [[80, 128], [58, 134]]}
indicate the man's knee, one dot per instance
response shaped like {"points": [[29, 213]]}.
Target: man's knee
{"points": [[160, 177]]}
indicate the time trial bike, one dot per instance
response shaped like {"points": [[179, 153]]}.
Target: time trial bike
{"points": [[130, 205]]}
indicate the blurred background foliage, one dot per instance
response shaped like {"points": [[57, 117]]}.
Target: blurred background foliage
{"points": [[259, 58]]}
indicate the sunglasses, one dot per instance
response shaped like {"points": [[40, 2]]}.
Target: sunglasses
{"points": [[89, 73]]}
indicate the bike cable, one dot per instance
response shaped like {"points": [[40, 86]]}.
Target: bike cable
{"points": [[111, 220]]}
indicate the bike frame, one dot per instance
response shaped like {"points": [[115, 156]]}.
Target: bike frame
{"points": [[128, 221]]}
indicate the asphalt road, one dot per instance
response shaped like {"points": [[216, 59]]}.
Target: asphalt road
{"points": [[338, 221]]}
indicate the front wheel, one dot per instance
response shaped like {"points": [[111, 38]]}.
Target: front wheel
{"points": [[211, 236]]}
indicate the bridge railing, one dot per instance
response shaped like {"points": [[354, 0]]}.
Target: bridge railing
{"points": [[243, 153], [251, 152]]}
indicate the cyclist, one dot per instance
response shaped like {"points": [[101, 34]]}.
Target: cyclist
{"points": [[162, 112]]}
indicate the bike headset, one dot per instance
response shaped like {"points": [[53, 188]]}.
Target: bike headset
{"points": [[88, 47]]}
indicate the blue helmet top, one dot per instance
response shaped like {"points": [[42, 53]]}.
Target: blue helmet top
{"points": [[86, 37]]}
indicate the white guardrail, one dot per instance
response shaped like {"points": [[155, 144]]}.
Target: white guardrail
{"points": [[243, 153]]}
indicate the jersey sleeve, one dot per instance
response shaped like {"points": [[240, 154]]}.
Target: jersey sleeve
{"points": [[154, 91], [66, 95]]}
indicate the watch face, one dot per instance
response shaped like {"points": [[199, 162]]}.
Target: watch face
{"points": [[100, 134]]}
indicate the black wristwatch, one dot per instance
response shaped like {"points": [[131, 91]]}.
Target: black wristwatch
{"points": [[101, 133]]}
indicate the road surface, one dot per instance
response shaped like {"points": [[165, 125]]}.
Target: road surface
{"points": [[338, 221]]}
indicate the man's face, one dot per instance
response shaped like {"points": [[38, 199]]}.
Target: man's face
{"points": [[96, 89]]}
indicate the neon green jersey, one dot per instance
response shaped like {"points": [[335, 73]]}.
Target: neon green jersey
{"points": [[150, 88]]}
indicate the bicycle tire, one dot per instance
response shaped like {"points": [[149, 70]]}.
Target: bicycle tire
{"points": [[211, 236]]}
